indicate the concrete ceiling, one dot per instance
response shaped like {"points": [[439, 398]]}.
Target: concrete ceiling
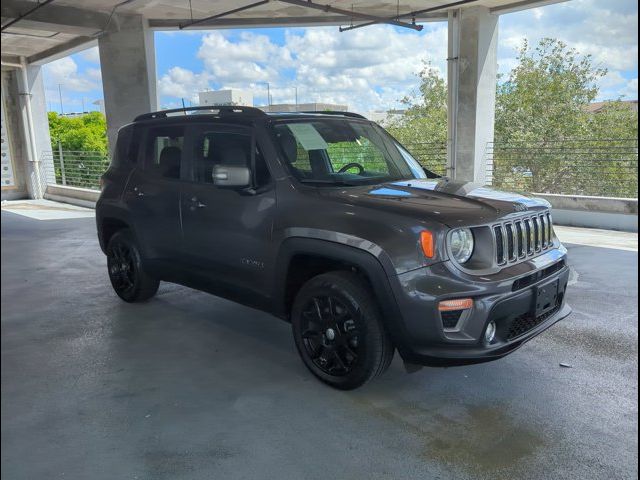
{"points": [[62, 26]]}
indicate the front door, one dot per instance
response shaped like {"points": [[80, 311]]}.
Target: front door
{"points": [[227, 231]]}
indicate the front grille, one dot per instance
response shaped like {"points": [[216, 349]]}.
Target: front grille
{"points": [[450, 318], [527, 322], [522, 238], [499, 245], [537, 276]]}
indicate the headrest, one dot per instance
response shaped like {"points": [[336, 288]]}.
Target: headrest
{"points": [[233, 155], [170, 161]]}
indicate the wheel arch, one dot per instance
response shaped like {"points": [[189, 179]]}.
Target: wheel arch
{"points": [[300, 259]]}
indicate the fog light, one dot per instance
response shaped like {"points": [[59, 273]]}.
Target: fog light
{"points": [[490, 332]]}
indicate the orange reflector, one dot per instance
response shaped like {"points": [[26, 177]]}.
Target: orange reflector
{"points": [[457, 304], [426, 241]]}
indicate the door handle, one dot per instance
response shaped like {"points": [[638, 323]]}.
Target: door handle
{"points": [[198, 204]]}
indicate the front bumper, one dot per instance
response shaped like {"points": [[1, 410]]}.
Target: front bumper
{"points": [[508, 299]]}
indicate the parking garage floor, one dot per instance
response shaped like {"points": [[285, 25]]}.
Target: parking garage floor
{"points": [[190, 386]]}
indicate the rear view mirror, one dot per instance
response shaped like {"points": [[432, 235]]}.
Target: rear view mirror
{"points": [[231, 176]]}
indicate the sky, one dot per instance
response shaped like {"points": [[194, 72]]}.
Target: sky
{"points": [[368, 69]]}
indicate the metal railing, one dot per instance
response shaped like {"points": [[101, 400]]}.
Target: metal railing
{"points": [[607, 168], [432, 156], [75, 168], [604, 168]]}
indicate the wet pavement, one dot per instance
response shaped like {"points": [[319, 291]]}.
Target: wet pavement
{"points": [[190, 386]]}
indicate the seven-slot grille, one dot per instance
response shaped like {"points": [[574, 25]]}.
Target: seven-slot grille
{"points": [[521, 238]]}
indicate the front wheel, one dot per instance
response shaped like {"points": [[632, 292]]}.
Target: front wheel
{"points": [[128, 277], [338, 330]]}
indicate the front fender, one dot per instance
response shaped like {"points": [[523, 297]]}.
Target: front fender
{"points": [[367, 257]]}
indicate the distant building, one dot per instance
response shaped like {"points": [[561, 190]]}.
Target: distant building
{"points": [[304, 107], [72, 114], [384, 117], [597, 107], [226, 97]]}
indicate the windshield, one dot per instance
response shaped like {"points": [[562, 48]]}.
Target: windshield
{"points": [[344, 152]]}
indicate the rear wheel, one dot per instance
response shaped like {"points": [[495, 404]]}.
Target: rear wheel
{"points": [[126, 272], [338, 330]]}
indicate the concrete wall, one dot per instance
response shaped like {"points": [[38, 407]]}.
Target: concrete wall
{"points": [[15, 136], [82, 197], [594, 212], [31, 165]]}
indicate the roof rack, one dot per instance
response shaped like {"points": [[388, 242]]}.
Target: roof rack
{"points": [[217, 109], [336, 112]]}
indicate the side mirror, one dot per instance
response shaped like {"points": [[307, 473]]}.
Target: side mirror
{"points": [[231, 176]]}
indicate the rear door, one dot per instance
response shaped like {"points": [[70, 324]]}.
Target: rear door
{"points": [[227, 231], [153, 191]]}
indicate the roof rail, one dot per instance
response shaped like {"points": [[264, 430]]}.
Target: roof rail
{"points": [[218, 109], [336, 112]]}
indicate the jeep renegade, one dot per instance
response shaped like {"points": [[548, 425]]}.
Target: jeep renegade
{"points": [[325, 220]]}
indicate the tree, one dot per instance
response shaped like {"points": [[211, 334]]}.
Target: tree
{"points": [[84, 148], [86, 133], [423, 127], [546, 139]]}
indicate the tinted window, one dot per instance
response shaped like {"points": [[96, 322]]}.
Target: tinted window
{"points": [[164, 151], [343, 151], [122, 152], [226, 148]]}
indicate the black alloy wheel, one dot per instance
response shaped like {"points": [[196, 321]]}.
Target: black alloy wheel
{"points": [[338, 330], [330, 335], [128, 278]]}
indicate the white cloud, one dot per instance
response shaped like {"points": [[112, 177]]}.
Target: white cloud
{"points": [[182, 83], [630, 91], [91, 55], [371, 68], [65, 72], [608, 31], [366, 69]]}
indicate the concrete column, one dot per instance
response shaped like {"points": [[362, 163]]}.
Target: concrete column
{"points": [[127, 61], [473, 48], [38, 162]]}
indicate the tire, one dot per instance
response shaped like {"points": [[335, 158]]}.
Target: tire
{"points": [[124, 263], [338, 330]]}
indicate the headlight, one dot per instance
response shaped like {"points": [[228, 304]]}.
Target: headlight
{"points": [[461, 244]]}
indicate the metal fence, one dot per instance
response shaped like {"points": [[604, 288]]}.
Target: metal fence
{"points": [[432, 156], [75, 168], [606, 168]]}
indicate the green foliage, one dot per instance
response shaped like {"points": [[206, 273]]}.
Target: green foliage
{"points": [[84, 133], [423, 127], [546, 140], [545, 96], [84, 148]]}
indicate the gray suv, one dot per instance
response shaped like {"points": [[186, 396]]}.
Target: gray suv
{"points": [[326, 221]]}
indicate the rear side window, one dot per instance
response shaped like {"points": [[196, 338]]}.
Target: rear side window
{"points": [[163, 151], [122, 154]]}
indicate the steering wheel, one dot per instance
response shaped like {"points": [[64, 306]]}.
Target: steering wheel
{"points": [[351, 165]]}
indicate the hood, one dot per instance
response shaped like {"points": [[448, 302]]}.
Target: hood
{"points": [[452, 203]]}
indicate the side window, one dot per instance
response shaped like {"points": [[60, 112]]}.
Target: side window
{"points": [[123, 146], [213, 148], [163, 151], [261, 173]]}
